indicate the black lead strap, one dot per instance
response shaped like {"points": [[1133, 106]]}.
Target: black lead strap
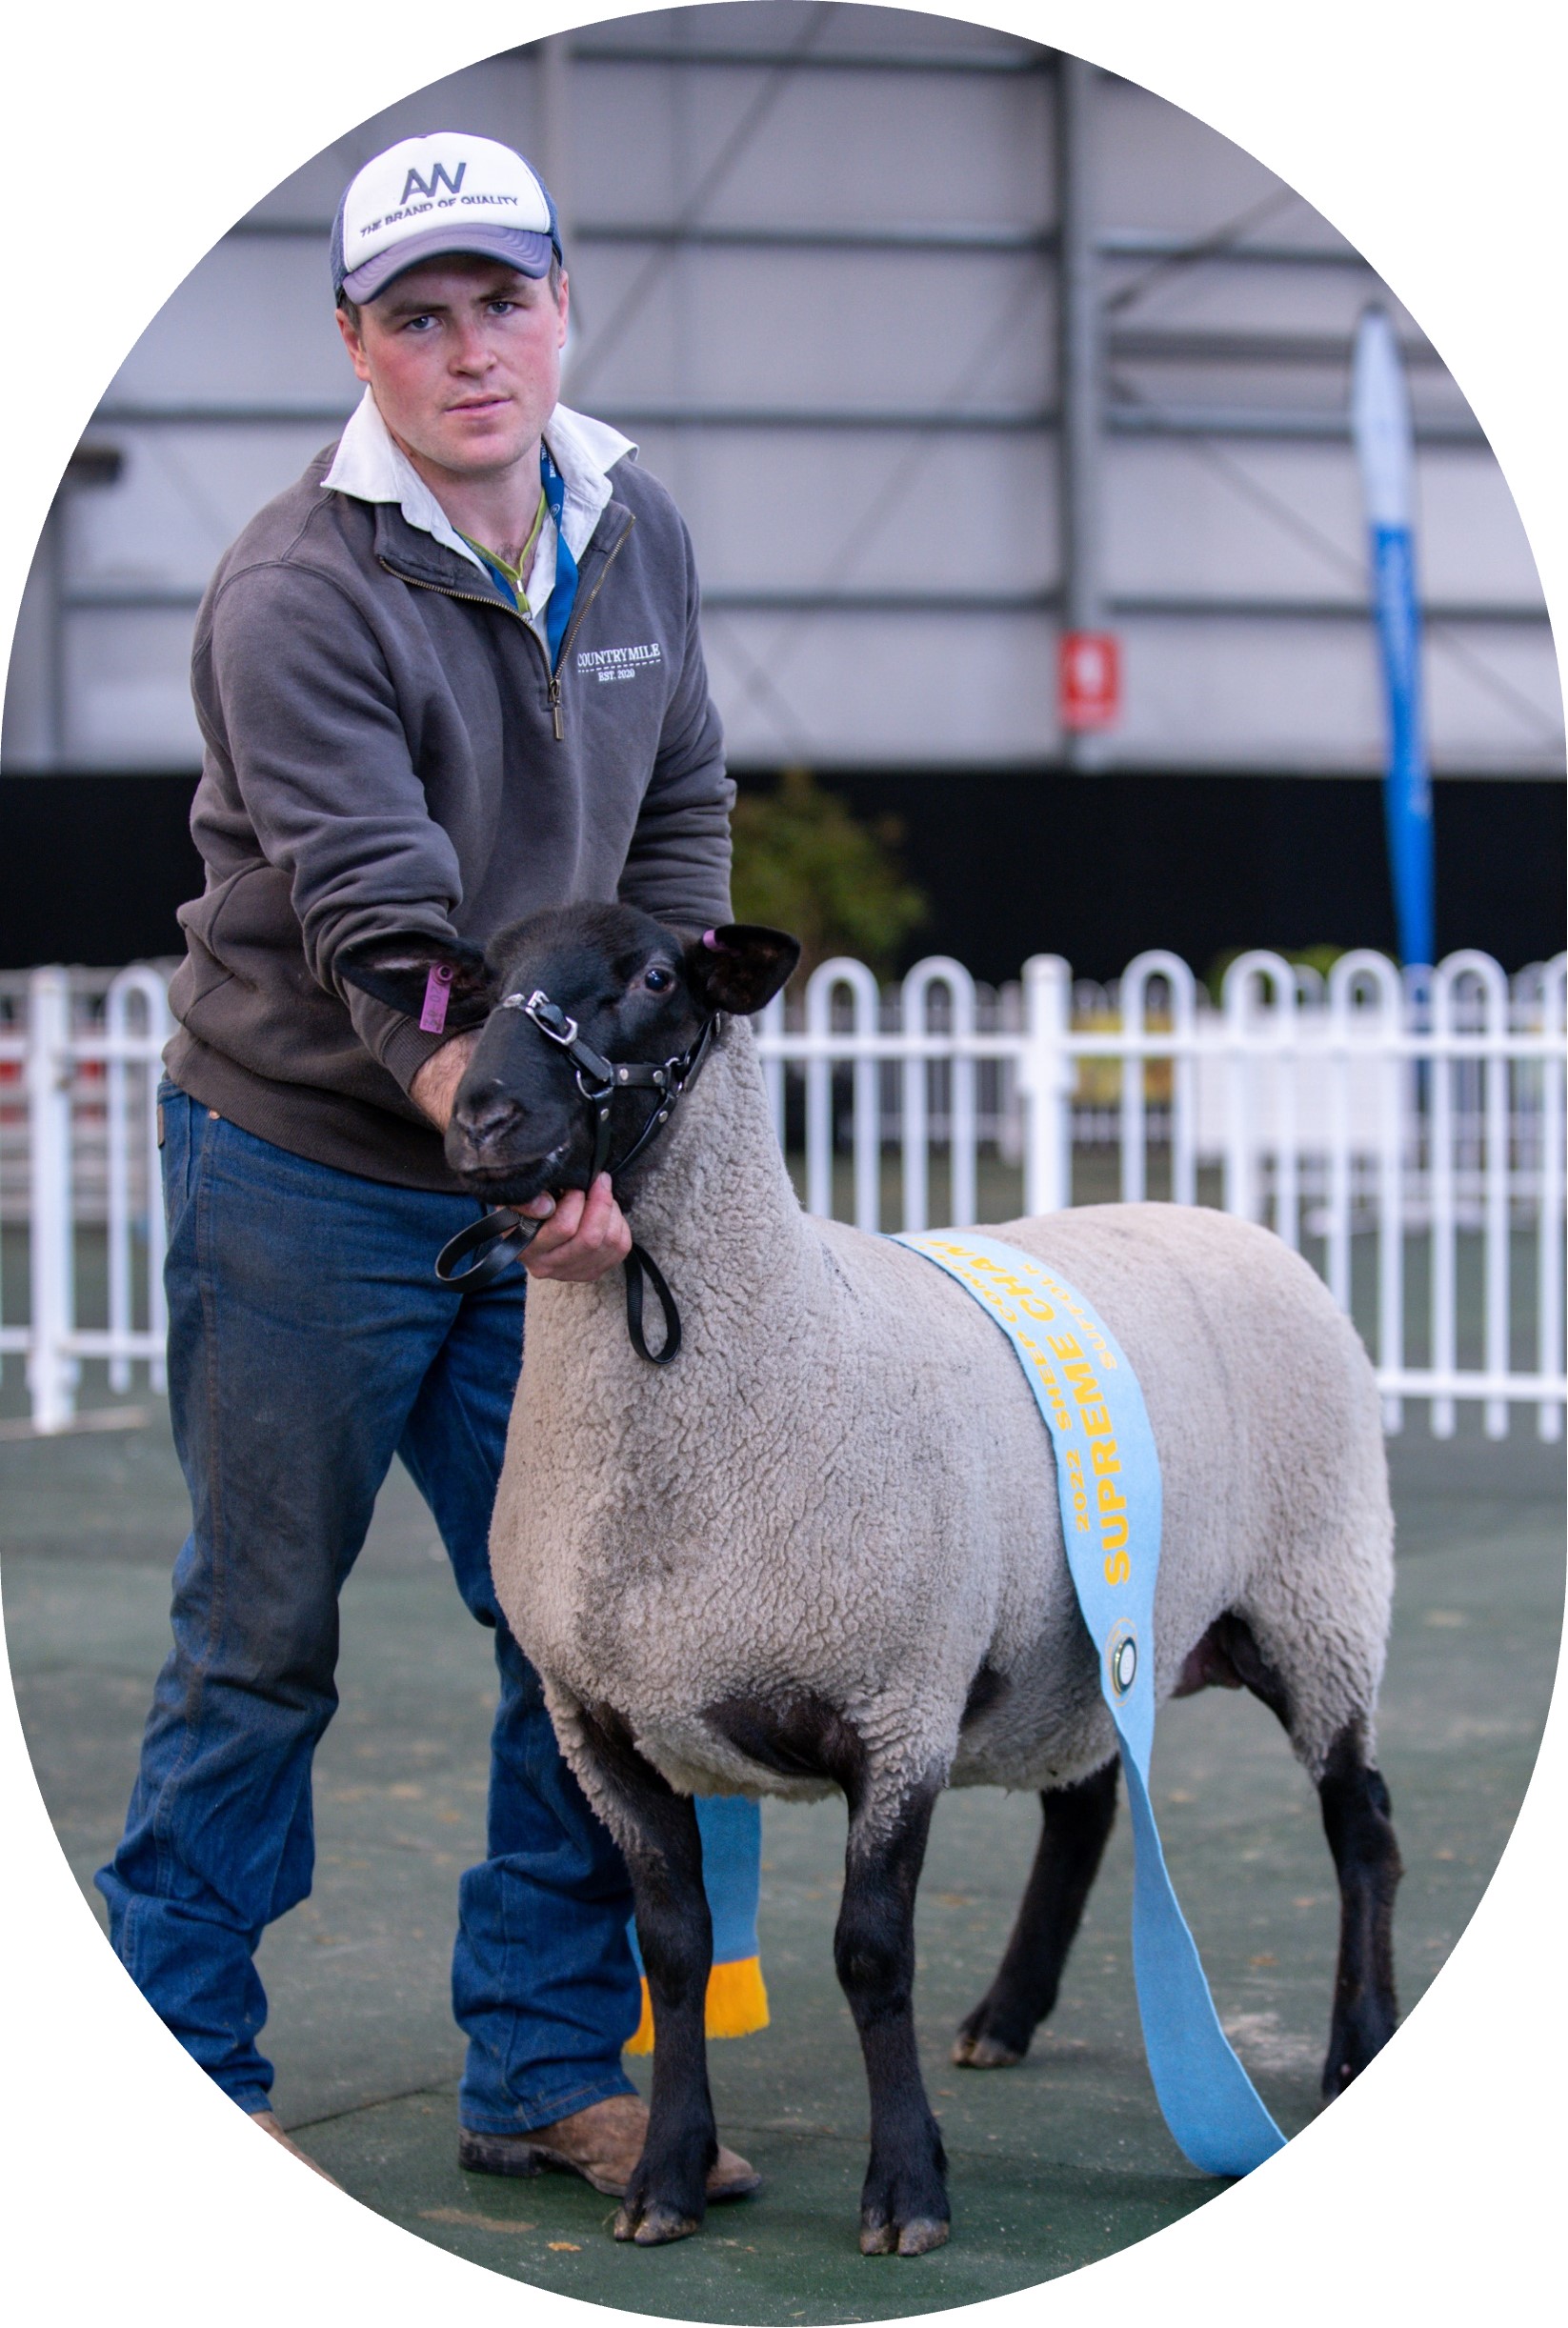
{"points": [[508, 1234], [502, 1236], [640, 1264]]}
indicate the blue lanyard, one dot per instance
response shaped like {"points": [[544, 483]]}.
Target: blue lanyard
{"points": [[563, 596], [1108, 1484]]}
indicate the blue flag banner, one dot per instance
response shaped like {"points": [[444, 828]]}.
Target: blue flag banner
{"points": [[1385, 446], [1108, 1483]]}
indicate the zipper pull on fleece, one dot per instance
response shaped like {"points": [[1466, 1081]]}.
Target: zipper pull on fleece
{"points": [[555, 706]]}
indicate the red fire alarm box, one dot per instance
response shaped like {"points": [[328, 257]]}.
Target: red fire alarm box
{"points": [[1089, 679]]}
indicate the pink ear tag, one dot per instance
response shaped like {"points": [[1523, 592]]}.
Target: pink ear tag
{"points": [[432, 1018]]}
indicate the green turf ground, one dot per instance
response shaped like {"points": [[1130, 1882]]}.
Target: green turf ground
{"points": [[1053, 2163]]}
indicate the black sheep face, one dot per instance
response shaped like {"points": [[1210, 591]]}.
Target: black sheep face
{"points": [[640, 992]]}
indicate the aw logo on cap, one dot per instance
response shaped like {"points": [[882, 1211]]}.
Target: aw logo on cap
{"points": [[451, 195], [415, 184]]}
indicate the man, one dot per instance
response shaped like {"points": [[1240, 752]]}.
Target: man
{"points": [[397, 675]]}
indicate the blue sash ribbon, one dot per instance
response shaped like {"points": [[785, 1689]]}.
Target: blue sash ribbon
{"points": [[1108, 1485]]}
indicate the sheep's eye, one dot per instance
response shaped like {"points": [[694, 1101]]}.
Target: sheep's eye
{"points": [[657, 979]]}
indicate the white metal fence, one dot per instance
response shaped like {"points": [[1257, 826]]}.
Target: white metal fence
{"points": [[79, 1063], [1408, 1137]]}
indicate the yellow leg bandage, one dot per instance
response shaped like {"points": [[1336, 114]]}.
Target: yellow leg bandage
{"points": [[737, 2005]]}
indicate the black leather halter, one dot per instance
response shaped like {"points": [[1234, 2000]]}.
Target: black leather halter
{"points": [[501, 1237]]}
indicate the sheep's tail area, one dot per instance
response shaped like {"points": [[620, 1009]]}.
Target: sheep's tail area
{"points": [[731, 1826], [737, 2005]]}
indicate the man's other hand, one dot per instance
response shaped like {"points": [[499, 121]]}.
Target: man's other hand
{"points": [[434, 1088], [583, 1238]]}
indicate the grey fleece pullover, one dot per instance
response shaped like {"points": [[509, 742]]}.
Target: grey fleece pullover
{"points": [[387, 751]]}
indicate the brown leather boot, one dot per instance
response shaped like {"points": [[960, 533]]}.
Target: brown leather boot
{"points": [[269, 2124], [602, 2143]]}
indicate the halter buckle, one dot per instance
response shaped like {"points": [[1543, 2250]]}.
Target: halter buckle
{"points": [[549, 1017]]}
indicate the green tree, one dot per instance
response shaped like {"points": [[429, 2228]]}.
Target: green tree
{"points": [[804, 863]]}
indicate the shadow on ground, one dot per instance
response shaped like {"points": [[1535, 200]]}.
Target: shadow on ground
{"points": [[1055, 2164]]}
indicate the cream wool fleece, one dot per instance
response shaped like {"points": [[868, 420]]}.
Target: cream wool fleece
{"points": [[843, 1485]]}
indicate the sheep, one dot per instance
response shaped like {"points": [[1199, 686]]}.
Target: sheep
{"points": [[824, 1550]]}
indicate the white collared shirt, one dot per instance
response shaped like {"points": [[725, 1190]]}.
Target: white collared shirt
{"points": [[370, 466]]}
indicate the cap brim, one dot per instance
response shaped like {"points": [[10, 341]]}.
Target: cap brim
{"points": [[528, 254]]}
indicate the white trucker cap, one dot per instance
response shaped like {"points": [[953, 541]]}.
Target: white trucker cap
{"points": [[432, 197]]}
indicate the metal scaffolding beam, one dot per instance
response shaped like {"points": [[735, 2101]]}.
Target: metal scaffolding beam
{"points": [[1006, 62], [1120, 419], [1148, 243], [976, 241], [938, 235], [1126, 419], [1168, 343], [553, 126], [131, 597]]}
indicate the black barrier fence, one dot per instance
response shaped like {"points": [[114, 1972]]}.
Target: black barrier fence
{"points": [[1013, 862]]}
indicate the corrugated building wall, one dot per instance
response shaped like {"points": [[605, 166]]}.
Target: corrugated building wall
{"points": [[856, 282]]}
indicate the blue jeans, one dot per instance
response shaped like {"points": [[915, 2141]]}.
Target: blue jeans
{"points": [[309, 1343]]}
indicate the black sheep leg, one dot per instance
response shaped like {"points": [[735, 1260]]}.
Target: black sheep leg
{"points": [[1366, 1858], [1075, 1823], [903, 2204], [666, 2197]]}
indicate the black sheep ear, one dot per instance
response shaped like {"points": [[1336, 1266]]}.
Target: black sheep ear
{"points": [[740, 966], [443, 983]]}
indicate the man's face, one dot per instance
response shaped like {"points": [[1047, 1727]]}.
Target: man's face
{"points": [[464, 359]]}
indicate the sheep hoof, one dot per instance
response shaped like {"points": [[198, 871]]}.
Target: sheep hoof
{"points": [[1343, 2066], [654, 2226], [1355, 2038], [916, 2238], [977, 2052]]}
